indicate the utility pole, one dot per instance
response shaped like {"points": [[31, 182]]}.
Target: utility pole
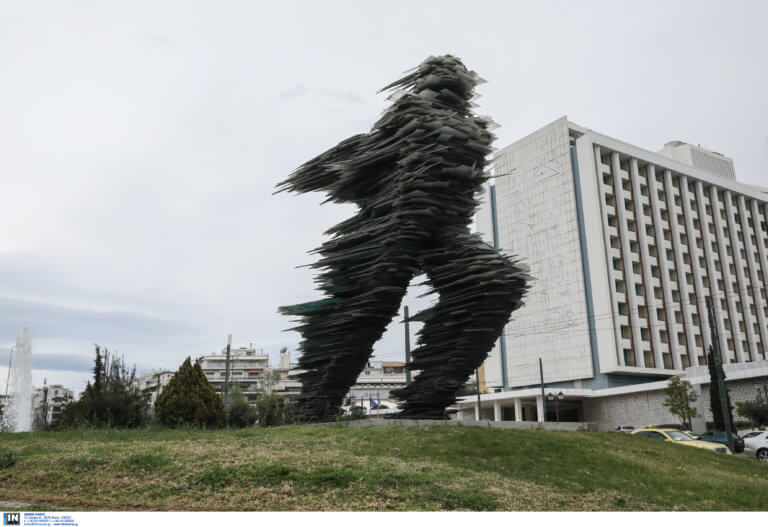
{"points": [[226, 378], [45, 402], [8, 377], [477, 384], [543, 398], [720, 380], [406, 320]]}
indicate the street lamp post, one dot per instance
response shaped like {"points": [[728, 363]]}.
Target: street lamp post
{"points": [[8, 377], [556, 398]]}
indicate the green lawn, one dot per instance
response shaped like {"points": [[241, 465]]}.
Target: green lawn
{"points": [[381, 468]]}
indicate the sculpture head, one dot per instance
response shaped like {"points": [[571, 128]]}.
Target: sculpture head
{"points": [[443, 78]]}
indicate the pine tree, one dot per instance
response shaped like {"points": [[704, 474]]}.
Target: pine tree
{"points": [[714, 392], [190, 399], [113, 399], [98, 372]]}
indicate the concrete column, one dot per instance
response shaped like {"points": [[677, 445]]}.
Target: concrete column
{"points": [[738, 263], [629, 278], [730, 301], [540, 408], [497, 410], [661, 251], [698, 424], [609, 260], [650, 299], [706, 236], [518, 410], [762, 250], [697, 271], [477, 411], [682, 283], [753, 265]]}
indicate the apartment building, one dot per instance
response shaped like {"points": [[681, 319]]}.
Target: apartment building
{"points": [[627, 247], [152, 384], [249, 370], [49, 401], [377, 380]]}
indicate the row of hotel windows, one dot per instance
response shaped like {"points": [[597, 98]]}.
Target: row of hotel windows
{"points": [[652, 251], [640, 289]]}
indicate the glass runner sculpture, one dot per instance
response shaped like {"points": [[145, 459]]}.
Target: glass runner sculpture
{"points": [[414, 177]]}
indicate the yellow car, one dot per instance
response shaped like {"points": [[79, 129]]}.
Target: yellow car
{"points": [[670, 434]]}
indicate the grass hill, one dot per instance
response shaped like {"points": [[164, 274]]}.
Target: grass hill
{"points": [[383, 468]]}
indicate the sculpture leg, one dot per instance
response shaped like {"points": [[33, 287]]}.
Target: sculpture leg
{"points": [[479, 288], [365, 277]]}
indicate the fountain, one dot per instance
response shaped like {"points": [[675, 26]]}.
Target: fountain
{"points": [[18, 413]]}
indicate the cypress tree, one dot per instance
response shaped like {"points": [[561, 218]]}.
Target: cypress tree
{"points": [[112, 399], [190, 399], [714, 393]]}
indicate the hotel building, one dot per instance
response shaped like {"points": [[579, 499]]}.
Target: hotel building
{"points": [[627, 247]]}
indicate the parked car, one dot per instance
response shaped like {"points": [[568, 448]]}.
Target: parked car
{"points": [[722, 438], [674, 427], [670, 434], [624, 429], [756, 445], [747, 434]]}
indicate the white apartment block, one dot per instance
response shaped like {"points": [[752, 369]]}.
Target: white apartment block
{"points": [[152, 384], [49, 401], [249, 370], [377, 380], [626, 247]]}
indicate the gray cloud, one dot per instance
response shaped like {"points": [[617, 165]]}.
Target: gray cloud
{"points": [[140, 152], [60, 322]]}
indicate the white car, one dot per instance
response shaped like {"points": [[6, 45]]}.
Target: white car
{"points": [[756, 445], [624, 429]]}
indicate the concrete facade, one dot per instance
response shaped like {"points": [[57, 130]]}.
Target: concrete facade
{"points": [[537, 219]]}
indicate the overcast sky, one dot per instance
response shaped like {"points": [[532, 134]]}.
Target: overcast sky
{"points": [[140, 142]]}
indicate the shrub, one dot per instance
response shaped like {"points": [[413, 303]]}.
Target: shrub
{"points": [[241, 413], [271, 409], [189, 399], [756, 411], [7, 458]]}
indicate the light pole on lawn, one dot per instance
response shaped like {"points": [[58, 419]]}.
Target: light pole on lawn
{"points": [[406, 321], [8, 377], [226, 379]]}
